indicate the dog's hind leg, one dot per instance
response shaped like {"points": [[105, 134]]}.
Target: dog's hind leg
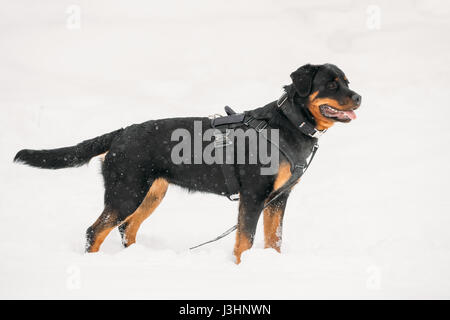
{"points": [[122, 197], [151, 201], [96, 234]]}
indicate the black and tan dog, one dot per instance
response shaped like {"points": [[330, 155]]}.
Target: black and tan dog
{"points": [[138, 169]]}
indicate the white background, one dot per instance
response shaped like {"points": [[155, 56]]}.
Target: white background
{"points": [[369, 220]]}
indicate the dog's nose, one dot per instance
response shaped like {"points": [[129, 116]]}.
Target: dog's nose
{"points": [[356, 99]]}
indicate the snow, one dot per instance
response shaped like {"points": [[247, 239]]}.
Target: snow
{"points": [[370, 219]]}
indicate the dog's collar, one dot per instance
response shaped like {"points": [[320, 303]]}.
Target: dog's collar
{"points": [[299, 120]]}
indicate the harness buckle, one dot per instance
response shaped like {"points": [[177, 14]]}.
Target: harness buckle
{"points": [[250, 119], [317, 134], [261, 126], [311, 131], [222, 139]]}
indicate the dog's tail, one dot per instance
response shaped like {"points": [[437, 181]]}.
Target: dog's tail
{"points": [[67, 157]]}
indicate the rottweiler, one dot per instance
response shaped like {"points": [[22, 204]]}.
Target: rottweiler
{"points": [[138, 165]]}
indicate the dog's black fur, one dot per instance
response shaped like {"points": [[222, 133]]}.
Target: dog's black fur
{"points": [[137, 167]]}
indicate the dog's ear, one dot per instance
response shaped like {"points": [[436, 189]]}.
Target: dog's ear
{"points": [[303, 78]]}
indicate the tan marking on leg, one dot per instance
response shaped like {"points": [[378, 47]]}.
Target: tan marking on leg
{"points": [[99, 238], [284, 173], [97, 233], [242, 243], [272, 228], [273, 215], [149, 204]]}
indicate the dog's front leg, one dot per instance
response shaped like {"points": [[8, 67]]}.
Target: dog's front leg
{"points": [[249, 211], [273, 222]]}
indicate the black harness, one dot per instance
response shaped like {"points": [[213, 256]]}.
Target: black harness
{"points": [[298, 163]]}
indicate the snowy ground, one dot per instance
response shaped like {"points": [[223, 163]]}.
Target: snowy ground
{"points": [[371, 219]]}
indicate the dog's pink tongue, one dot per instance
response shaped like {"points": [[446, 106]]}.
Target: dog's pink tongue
{"points": [[350, 114]]}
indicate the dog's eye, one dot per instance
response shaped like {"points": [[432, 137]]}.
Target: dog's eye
{"points": [[332, 85]]}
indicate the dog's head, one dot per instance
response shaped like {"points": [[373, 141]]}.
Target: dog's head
{"points": [[328, 97]]}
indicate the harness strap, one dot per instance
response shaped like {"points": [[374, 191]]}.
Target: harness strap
{"points": [[229, 170], [233, 118], [259, 126], [232, 183], [299, 121], [222, 140], [298, 173], [297, 170]]}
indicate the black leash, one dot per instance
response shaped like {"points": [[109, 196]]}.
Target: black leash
{"points": [[218, 238], [273, 196]]}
